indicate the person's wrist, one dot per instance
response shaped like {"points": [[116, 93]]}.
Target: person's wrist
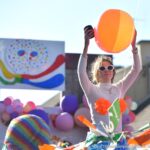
{"points": [[134, 50]]}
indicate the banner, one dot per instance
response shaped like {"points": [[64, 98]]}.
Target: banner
{"points": [[32, 64]]}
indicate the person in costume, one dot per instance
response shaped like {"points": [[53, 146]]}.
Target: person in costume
{"points": [[102, 85]]}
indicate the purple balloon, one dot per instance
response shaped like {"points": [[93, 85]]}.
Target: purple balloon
{"points": [[9, 109], [126, 119], [69, 103], [41, 113], [14, 115], [64, 122]]}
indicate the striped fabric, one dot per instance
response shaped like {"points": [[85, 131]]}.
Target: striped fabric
{"points": [[27, 132]]}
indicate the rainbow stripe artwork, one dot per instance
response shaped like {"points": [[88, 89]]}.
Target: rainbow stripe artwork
{"points": [[32, 64]]}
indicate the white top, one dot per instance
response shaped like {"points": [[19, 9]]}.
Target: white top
{"points": [[108, 91]]}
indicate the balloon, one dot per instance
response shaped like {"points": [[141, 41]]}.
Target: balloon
{"points": [[64, 121], [102, 105], [128, 100], [14, 115], [41, 113], [69, 103], [2, 107], [134, 106], [8, 100], [126, 119], [84, 112], [132, 116], [84, 101], [5, 116], [19, 109], [115, 31], [16, 103], [29, 106], [9, 109], [123, 105]]}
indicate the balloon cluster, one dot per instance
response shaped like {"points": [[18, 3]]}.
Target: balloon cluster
{"points": [[128, 116], [66, 120], [11, 108]]}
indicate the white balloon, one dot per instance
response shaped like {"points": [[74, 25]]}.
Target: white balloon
{"points": [[134, 105]]}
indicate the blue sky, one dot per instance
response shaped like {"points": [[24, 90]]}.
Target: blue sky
{"points": [[64, 20]]}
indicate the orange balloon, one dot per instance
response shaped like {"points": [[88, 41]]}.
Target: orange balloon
{"points": [[115, 31], [102, 105]]}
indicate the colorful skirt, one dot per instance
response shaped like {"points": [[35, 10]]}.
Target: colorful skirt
{"points": [[94, 142]]}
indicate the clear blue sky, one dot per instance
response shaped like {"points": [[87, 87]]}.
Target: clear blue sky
{"points": [[63, 20]]}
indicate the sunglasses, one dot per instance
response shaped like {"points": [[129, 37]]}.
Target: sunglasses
{"points": [[110, 68]]}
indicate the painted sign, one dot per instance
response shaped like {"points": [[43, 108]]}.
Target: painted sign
{"points": [[32, 64]]}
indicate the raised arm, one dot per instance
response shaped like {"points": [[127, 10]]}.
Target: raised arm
{"points": [[136, 68], [82, 64]]}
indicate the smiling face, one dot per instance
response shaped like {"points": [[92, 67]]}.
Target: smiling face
{"points": [[26, 57], [103, 70]]}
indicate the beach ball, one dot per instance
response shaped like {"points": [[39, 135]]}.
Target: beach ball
{"points": [[64, 121], [84, 112], [115, 31], [69, 103]]}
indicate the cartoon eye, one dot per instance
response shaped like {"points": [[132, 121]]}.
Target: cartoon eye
{"points": [[21, 52], [33, 54]]}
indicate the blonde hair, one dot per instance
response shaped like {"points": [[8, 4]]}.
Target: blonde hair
{"points": [[95, 67]]}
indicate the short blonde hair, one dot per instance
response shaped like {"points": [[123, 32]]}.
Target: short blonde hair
{"points": [[95, 67]]}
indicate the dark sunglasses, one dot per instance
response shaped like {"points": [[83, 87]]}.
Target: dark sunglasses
{"points": [[110, 68]]}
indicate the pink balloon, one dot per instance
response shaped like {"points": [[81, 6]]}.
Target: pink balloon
{"points": [[16, 103], [64, 121], [8, 100], [19, 109], [132, 116], [82, 111], [128, 100], [5, 116], [9, 109], [29, 106], [2, 107]]}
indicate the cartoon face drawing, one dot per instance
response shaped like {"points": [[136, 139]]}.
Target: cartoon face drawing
{"points": [[26, 56]]}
